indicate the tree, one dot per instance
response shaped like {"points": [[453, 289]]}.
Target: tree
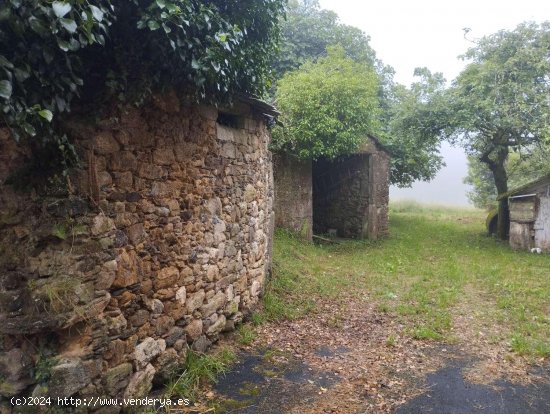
{"points": [[308, 30], [306, 34], [411, 127], [500, 101], [328, 107], [52, 52], [521, 168]]}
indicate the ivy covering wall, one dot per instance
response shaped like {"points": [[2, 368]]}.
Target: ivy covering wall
{"points": [[55, 53]]}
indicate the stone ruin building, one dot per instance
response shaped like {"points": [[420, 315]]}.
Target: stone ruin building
{"points": [[160, 241], [347, 196]]}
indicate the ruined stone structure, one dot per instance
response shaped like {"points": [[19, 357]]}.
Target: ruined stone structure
{"points": [[293, 194], [161, 242], [348, 195]]}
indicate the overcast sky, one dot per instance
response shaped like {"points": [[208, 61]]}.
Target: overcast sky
{"points": [[409, 34]]}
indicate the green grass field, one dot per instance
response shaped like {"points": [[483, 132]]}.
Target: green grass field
{"points": [[436, 264]]}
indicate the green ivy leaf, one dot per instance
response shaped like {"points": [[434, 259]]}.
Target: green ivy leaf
{"points": [[29, 129], [97, 13], [4, 13], [5, 62], [161, 4], [172, 8], [5, 89], [46, 114], [61, 8], [38, 27], [63, 45], [74, 45], [21, 74], [69, 25], [153, 25]]}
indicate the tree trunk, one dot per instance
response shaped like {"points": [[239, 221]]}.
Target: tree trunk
{"points": [[501, 184], [495, 157]]}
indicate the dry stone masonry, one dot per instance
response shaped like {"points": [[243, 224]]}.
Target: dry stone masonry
{"points": [[293, 194], [348, 196], [160, 243]]}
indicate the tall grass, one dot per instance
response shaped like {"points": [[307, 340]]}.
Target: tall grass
{"points": [[199, 369], [435, 259]]}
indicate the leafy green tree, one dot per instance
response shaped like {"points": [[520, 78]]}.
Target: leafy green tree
{"points": [[306, 34], [51, 52], [411, 127], [308, 30], [328, 107], [483, 193], [521, 168], [500, 101]]}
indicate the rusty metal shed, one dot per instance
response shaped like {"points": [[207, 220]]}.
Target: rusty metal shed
{"points": [[530, 215]]}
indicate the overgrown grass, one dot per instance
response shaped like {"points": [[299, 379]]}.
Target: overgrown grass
{"points": [[199, 369], [246, 334], [437, 260]]}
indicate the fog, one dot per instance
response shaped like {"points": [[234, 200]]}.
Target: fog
{"points": [[407, 34], [446, 188]]}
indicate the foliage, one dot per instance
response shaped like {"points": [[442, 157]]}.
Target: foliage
{"points": [[483, 193], [499, 102], [308, 30], [307, 33], [412, 130], [53, 52], [501, 99], [521, 169], [328, 107], [199, 369], [43, 368], [246, 334], [436, 266]]}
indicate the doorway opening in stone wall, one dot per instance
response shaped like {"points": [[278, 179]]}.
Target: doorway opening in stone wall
{"points": [[346, 197], [351, 193], [341, 196]]}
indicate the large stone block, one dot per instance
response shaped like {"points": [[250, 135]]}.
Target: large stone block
{"points": [[136, 233], [195, 301], [194, 329], [147, 350], [128, 270], [164, 156], [116, 379], [102, 224], [217, 326], [166, 277], [67, 378], [214, 304], [123, 161], [141, 383], [15, 369], [105, 143]]}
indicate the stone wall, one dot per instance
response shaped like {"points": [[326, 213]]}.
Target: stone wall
{"points": [[293, 194], [341, 196], [379, 195], [351, 194], [161, 242]]}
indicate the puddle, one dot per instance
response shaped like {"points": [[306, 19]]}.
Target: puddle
{"points": [[325, 351], [449, 393], [269, 381]]}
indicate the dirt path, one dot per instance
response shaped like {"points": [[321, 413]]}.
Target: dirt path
{"points": [[349, 358]]}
